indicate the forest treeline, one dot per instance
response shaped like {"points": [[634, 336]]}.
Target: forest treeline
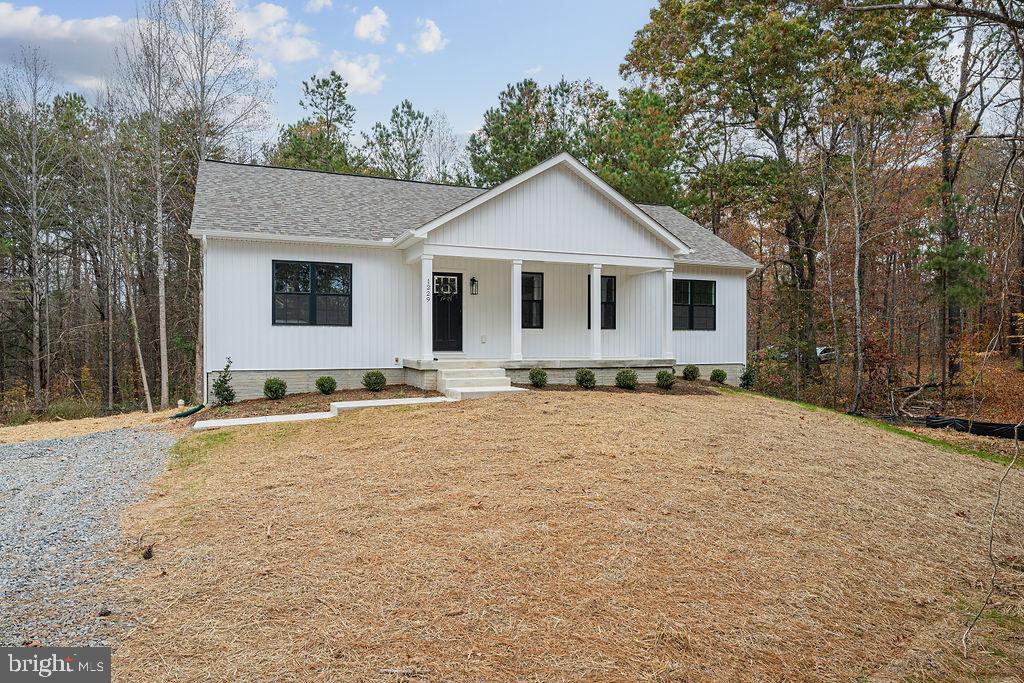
{"points": [[867, 158]]}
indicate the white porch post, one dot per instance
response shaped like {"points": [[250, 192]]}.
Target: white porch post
{"points": [[426, 307], [516, 346], [667, 350], [595, 311]]}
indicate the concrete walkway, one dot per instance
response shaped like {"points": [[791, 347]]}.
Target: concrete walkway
{"points": [[336, 407]]}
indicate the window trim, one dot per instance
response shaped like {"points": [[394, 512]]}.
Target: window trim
{"points": [[691, 306], [613, 303], [312, 294], [522, 301]]}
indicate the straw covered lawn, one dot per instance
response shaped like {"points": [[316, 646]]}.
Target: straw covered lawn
{"points": [[567, 536]]}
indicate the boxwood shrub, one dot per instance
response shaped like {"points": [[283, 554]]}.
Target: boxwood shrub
{"points": [[718, 376], [585, 378], [374, 380], [665, 379], [222, 388], [326, 384], [626, 379], [275, 388], [538, 377], [691, 373]]}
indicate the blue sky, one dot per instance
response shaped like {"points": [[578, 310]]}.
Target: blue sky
{"points": [[452, 56]]}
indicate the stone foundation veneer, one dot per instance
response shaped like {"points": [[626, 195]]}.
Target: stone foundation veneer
{"points": [[732, 371], [249, 383]]}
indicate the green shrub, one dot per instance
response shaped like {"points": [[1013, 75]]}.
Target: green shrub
{"points": [[585, 378], [1020, 366], [665, 379], [718, 376], [326, 384], [626, 379], [691, 373], [222, 385], [538, 377], [374, 380], [17, 418], [748, 377], [72, 409], [275, 388]]}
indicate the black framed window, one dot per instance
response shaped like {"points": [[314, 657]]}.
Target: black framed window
{"points": [[310, 293], [533, 301], [693, 304], [607, 302]]}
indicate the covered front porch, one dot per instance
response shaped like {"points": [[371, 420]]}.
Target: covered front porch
{"points": [[558, 311]]}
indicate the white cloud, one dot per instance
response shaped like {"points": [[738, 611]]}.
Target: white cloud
{"points": [[274, 36], [534, 70], [80, 50], [400, 48], [429, 39], [362, 72], [372, 25], [317, 5]]}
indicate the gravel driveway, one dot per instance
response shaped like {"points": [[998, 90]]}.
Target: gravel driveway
{"points": [[60, 507]]}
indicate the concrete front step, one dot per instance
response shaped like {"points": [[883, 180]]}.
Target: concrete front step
{"points": [[473, 382], [479, 392], [471, 372]]}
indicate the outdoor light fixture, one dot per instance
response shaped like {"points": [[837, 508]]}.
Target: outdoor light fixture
{"points": [[474, 286]]}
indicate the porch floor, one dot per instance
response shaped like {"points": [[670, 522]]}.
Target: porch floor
{"points": [[526, 363]]}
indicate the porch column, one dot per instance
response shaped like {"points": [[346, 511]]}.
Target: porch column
{"points": [[516, 347], [667, 350], [426, 307], [595, 311]]}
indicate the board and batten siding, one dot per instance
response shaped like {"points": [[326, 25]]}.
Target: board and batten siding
{"points": [[727, 344], [238, 309], [486, 319], [556, 211]]}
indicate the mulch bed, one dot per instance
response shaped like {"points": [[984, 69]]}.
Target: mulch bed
{"points": [[680, 388], [312, 402]]}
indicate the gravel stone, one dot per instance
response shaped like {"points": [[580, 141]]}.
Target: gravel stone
{"points": [[60, 507]]}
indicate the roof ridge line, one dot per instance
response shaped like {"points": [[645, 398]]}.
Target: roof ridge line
{"points": [[341, 173]]}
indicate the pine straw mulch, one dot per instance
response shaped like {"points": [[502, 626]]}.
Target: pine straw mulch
{"points": [[313, 402], [680, 388], [62, 429], [553, 536]]}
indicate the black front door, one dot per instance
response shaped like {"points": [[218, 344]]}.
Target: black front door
{"points": [[447, 311]]}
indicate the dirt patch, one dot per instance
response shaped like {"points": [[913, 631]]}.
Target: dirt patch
{"points": [[680, 388], [313, 402], [60, 429], [583, 536]]}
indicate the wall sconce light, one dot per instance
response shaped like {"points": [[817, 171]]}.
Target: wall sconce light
{"points": [[474, 286]]}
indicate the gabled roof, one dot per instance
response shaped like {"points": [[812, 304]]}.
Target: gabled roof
{"points": [[708, 248], [564, 160], [266, 202], [286, 202]]}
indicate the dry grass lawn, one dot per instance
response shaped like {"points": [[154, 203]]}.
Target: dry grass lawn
{"points": [[60, 429], [571, 536]]}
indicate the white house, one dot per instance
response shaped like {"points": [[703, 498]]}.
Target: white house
{"points": [[461, 288]]}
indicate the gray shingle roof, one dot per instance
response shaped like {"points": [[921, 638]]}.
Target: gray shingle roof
{"points": [[294, 203], [707, 246], [282, 201]]}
